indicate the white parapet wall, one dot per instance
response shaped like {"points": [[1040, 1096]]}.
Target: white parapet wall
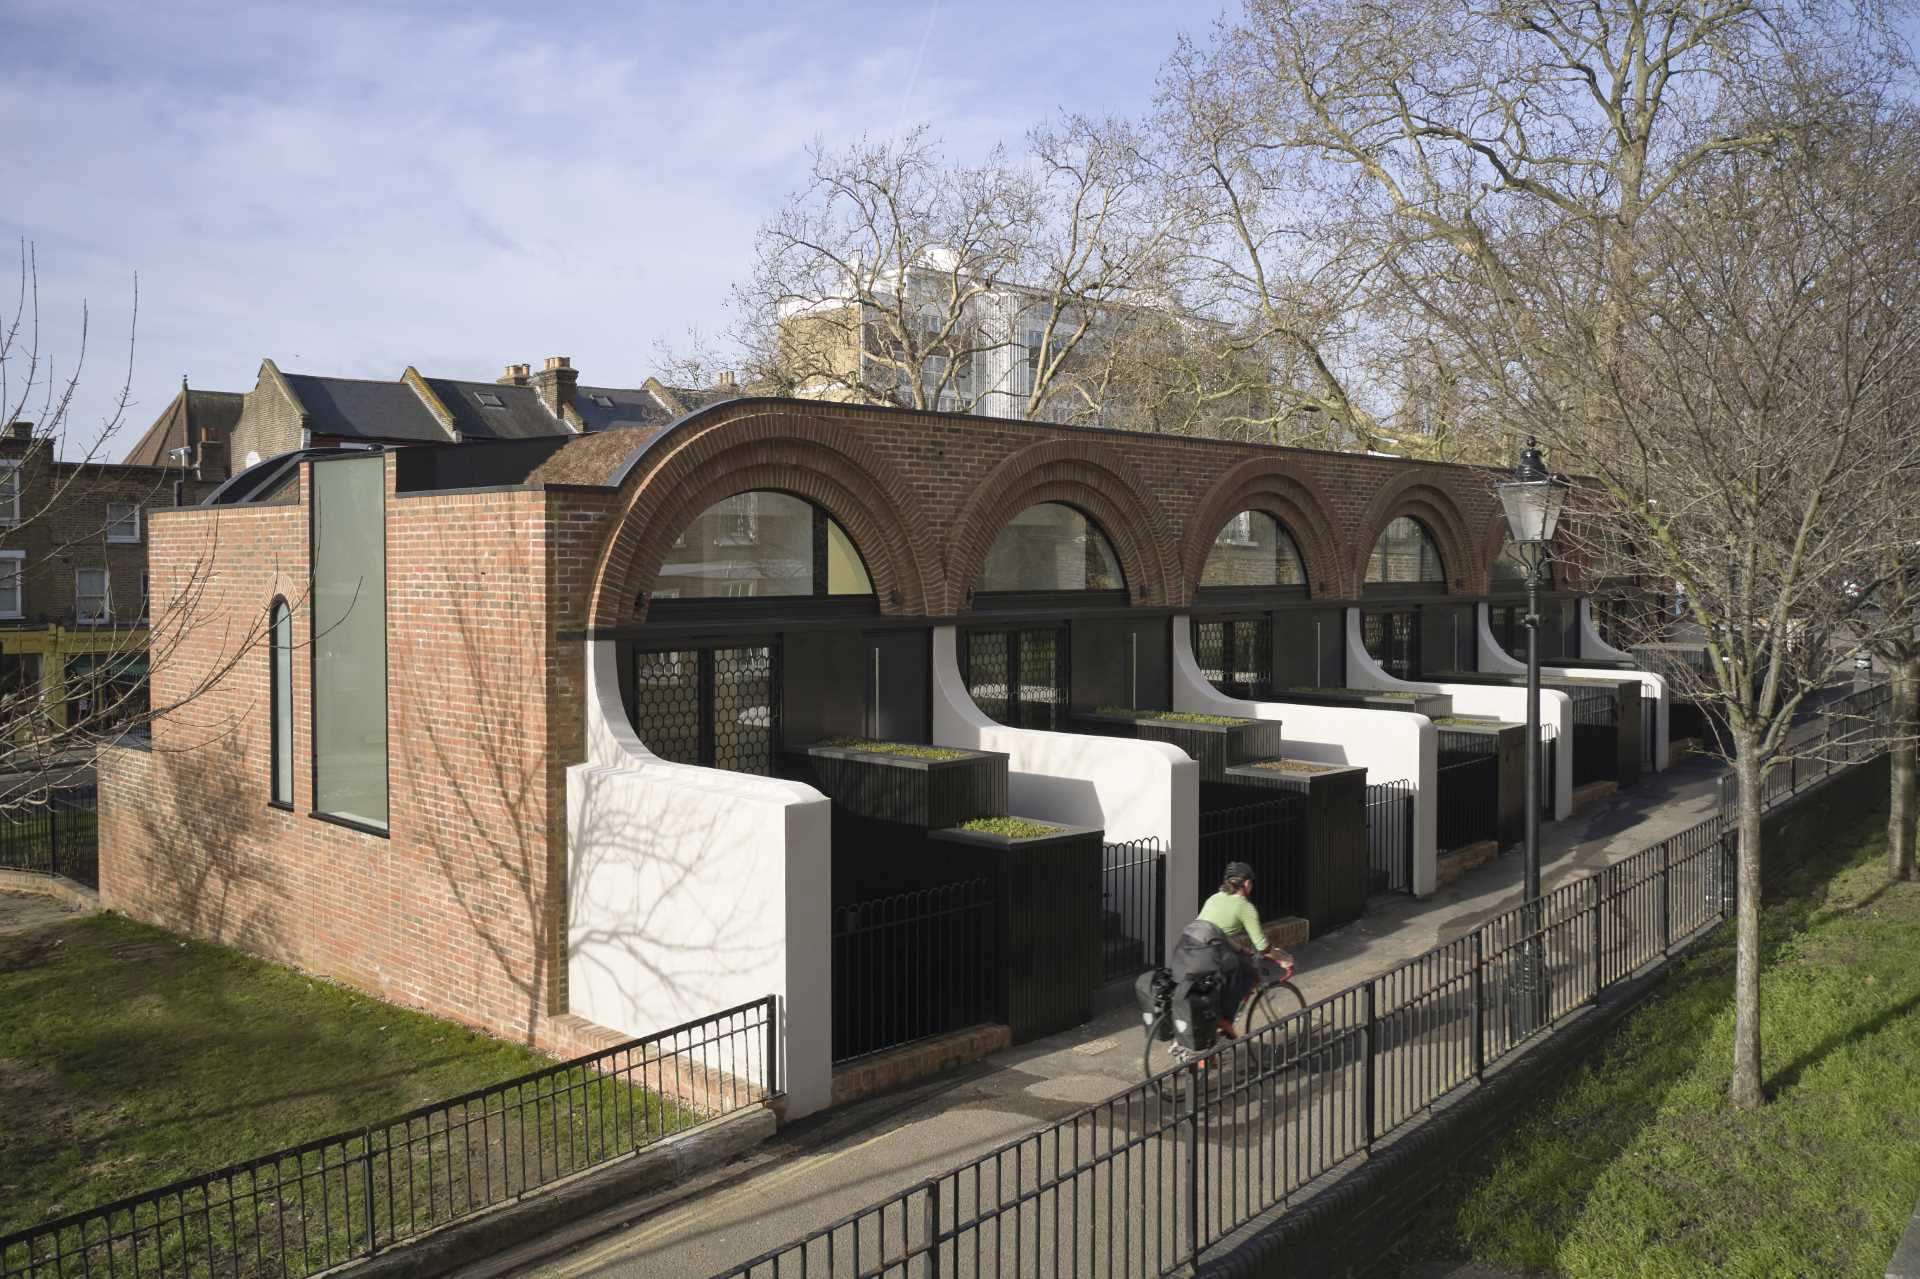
{"points": [[1653, 687], [1510, 704], [691, 889], [1390, 745], [1130, 789]]}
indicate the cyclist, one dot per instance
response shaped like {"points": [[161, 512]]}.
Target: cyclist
{"points": [[1226, 939]]}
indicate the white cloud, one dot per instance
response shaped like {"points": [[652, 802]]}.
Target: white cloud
{"points": [[350, 188]]}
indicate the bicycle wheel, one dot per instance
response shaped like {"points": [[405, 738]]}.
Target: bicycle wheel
{"points": [[1269, 1006], [1162, 1054]]}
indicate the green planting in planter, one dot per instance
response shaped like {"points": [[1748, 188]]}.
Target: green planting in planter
{"points": [[1177, 717], [1011, 827], [1294, 766], [1466, 721], [908, 750], [1395, 695]]}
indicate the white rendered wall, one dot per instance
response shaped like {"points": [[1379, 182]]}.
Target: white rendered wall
{"points": [[1390, 745], [1509, 704], [1128, 788], [1497, 659], [694, 889]]}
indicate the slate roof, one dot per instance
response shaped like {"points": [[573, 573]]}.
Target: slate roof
{"points": [[519, 414], [213, 415], [624, 406], [350, 408]]}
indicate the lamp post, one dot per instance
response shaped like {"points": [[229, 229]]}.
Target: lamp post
{"points": [[1533, 500]]}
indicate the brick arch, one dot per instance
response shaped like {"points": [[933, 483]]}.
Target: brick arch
{"points": [[1284, 491], [1418, 496], [722, 454], [1082, 474]]}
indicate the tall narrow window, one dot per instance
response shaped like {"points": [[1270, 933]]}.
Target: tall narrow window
{"points": [[280, 648], [350, 641], [90, 595], [12, 575]]}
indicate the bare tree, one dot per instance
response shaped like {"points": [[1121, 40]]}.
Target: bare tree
{"points": [[55, 489]]}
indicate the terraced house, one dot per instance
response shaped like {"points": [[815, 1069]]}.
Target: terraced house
{"points": [[584, 736]]}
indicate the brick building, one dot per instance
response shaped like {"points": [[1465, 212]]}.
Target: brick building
{"points": [[73, 583], [517, 747]]}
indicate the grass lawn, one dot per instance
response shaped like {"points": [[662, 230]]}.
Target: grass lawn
{"points": [[131, 1057], [1636, 1168]]}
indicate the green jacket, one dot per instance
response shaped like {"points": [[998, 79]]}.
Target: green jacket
{"points": [[1235, 916]]}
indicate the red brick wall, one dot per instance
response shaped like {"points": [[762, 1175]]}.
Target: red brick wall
{"points": [[923, 496], [460, 910]]}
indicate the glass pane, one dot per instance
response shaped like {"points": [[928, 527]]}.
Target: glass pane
{"points": [[1043, 701], [987, 672], [282, 643], [1405, 553], [743, 710], [1253, 550], [350, 640], [1050, 547], [846, 575], [744, 546], [1209, 651], [666, 704]]}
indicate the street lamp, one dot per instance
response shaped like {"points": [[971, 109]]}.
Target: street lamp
{"points": [[1533, 500]]}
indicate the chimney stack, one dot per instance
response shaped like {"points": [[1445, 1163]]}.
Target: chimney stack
{"points": [[723, 380], [21, 429], [555, 383], [516, 375]]}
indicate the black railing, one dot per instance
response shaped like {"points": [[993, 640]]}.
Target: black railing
{"points": [[1142, 1183], [915, 965], [1133, 895], [312, 1207], [1268, 834], [1467, 790], [1390, 836], [56, 834], [1854, 729], [1596, 726]]}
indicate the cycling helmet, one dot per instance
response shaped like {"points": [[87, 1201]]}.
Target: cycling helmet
{"points": [[1236, 870]]}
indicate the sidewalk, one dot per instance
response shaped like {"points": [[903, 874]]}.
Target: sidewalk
{"points": [[823, 1169]]}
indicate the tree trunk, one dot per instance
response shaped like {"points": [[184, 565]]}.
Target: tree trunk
{"points": [[1903, 807], [1744, 1092]]}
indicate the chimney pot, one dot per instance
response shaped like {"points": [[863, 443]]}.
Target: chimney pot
{"points": [[559, 362], [515, 375], [724, 379]]}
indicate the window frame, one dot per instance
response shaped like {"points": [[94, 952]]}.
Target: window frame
{"points": [[1417, 586], [310, 495], [19, 609], [980, 595], [134, 513], [10, 469], [672, 602], [106, 596], [280, 704]]}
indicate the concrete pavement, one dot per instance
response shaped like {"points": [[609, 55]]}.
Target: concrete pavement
{"points": [[821, 1170]]}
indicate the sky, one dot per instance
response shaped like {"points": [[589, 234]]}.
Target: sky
{"points": [[350, 188]]}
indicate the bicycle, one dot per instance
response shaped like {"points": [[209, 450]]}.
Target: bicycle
{"points": [[1273, 999]]}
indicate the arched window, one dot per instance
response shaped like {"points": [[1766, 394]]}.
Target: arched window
{"points": [[1051, 547], [1253, 549], [762, 543], [280, 700], [1510, 571], [1405, 553]]}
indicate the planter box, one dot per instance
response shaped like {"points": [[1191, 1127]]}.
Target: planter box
{"points": [[1429, 704], [924, 793], [1332, 878], [1215, 747], [1050, 919], [1508, 743]]}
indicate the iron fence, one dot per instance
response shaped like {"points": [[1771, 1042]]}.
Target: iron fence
{"points": [[914, 965], [1142, 1183], [1133, 894], [1390, 836], [307, 1209], [56, 834], [1853, 729], [1269, 834], [1596, 727], [1467, 790]]}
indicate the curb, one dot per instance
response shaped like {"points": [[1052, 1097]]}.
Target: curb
{"points": [[1905, 1262], [644, 1172], [1347, 1226], [61, 889]]}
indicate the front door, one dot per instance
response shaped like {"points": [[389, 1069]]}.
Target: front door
{"points": [[896, 667]]}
